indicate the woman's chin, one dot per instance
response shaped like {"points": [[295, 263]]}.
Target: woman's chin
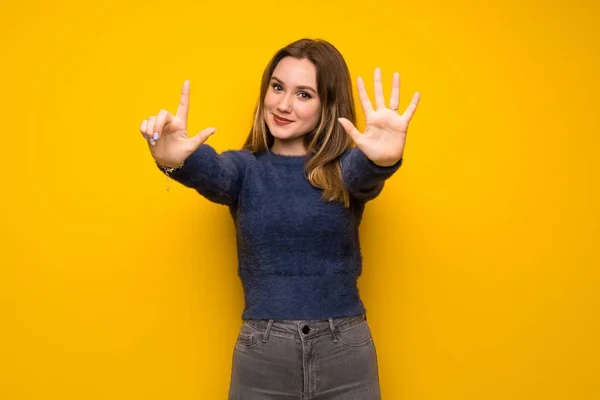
{"points": [[281, 133]]}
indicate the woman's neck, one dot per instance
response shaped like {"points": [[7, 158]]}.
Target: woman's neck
{"points": [[289, 147]]}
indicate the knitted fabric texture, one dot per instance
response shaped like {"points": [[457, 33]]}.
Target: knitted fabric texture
{"points": [[299, 256]]}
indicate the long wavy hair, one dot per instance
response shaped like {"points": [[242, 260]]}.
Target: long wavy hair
{"points": [[328, 140]]}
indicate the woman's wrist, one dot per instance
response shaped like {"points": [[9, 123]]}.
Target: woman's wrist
{"points": [[169, 169]]}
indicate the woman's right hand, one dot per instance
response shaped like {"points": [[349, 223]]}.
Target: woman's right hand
{"points": [[166, 134]]}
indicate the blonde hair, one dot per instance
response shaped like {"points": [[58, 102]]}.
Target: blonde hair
{"points": [[328, 140]]}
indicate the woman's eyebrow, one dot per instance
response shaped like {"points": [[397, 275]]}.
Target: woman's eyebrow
{"points": [[299, 87]]}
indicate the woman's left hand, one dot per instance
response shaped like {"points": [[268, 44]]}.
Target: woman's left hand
{"points": [[385, 131]]}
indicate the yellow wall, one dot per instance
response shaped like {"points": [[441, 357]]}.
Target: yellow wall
{"points": [[481, 255]]}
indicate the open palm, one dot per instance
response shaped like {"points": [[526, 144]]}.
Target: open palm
{"points": [[384, 137]]}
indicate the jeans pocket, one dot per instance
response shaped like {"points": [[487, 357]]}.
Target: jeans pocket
{"points": [[355, 336], [248, 337]]}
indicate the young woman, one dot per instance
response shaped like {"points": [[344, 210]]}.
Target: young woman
{"points": [[296, 192]]}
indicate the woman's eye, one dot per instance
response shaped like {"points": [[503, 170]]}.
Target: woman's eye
{"points": [[277, 87]]}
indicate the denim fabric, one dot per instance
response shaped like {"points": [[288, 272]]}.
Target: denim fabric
{"points": [[326, 359]]}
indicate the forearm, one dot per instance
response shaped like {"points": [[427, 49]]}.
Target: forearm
{"points": [[364, 179], [215, 176]]}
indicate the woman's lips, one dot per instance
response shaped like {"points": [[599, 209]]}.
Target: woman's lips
{"points": [[280, 121]]}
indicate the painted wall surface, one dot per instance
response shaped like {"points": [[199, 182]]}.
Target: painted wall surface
{"points": [[481, 256]]}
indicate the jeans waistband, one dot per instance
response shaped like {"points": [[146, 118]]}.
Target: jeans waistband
{"points": [[304, 329]]}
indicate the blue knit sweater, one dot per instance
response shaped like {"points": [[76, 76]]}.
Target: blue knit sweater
{"points": [[298, 256]]}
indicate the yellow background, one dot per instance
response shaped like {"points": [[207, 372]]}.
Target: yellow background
{"points": [[480, 257]]}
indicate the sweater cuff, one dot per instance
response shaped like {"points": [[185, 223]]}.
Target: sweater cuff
{"points": [[389, 169], [375, 170], [189, 166]]}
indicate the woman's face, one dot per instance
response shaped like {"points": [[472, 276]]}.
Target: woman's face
{"points": [[292, 105]]}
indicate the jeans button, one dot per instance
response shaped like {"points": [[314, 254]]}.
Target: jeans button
{"points": [[306, 329]]}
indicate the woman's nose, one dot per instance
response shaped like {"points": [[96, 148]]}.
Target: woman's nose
{"points": [[286, 103]]}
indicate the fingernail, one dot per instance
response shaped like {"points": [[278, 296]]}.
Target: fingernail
{"points": [[152, 142], [155, 136]]}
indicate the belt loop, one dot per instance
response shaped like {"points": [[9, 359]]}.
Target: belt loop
{"points": [[333, 336], [265, 335]]}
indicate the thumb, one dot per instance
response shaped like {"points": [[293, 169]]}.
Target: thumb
{"points": [[350, 129], [203, 135]]}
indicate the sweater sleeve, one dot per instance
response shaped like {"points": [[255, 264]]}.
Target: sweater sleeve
{"points": [[217, 177], [363, 178]]}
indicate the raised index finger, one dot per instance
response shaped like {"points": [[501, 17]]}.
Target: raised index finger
{"points": [[184, 102], [365, 102]]}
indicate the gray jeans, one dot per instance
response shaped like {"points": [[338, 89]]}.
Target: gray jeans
{"points": [[313, 359]]}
